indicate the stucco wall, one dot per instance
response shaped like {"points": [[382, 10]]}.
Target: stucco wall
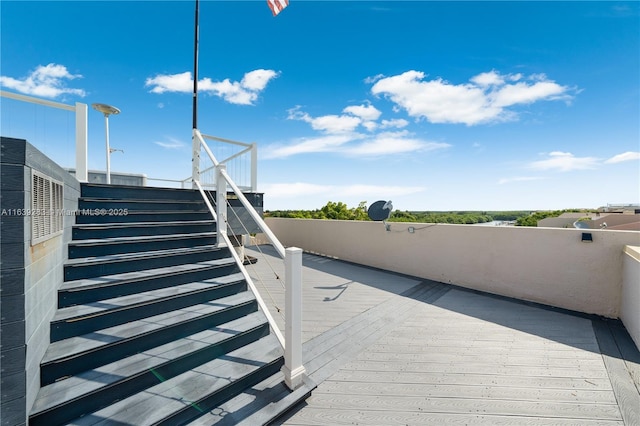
{"points": [[545, 265], [630, 305]]}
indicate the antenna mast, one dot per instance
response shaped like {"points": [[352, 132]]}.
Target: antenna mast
{"points": [[195, 68]]}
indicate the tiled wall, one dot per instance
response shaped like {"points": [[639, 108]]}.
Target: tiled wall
{"points": [[29, 275]]}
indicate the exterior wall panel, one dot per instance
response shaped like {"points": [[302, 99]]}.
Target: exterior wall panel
{"points": [[29, 275]]}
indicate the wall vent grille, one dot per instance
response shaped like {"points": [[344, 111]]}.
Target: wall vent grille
{"points": [[47, 219]]}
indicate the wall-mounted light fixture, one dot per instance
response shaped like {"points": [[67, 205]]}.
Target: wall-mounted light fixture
{"points": [[587, 237]]}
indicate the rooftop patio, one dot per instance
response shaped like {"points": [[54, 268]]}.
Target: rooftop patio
{"points": [[387, 349]]}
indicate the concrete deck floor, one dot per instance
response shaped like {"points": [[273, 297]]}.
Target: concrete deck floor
{"points": [[389, 349]]}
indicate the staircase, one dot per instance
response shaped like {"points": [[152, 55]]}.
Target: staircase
{"points": [[155, 324]]}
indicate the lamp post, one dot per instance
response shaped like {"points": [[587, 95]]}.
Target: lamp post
{"points": [[107, 110]]}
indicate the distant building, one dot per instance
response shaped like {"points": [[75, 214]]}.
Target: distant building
{"points": [[117, 178], [621, 208], [620, 220]]}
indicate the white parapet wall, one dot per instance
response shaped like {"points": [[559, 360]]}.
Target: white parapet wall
{"points": [[630, 304], [546, 265]]}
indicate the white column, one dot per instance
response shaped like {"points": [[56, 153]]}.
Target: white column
{"points": [[82, 172], [221, 203], [195, 158], [293, 369], [254, 167]]}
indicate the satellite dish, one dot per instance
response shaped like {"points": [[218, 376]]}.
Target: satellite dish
{"points": [[381, 211]]}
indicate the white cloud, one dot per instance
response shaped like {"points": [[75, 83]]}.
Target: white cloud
{"points": [[356, 144], [564, 162], [257, 80], [393, 143], [47, 81], [326, 123], [366, 112], [171, 144], [483, 100], [335, 123], [370, 125], [519, 179], [341, 135], [626, 156], [325, 143], [396, 122], [244, 92], [373, 79], [353, 117], [522, 93], [298, 189], [490, 78], [171, 83]]}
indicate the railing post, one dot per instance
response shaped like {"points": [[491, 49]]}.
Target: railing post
{"points": [[221, 203], [195, 158], [293, 369], [82, 173], [254, 167]]}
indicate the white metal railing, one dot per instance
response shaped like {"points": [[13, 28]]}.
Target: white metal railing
{"points": [[173, 183], [292, 340], [81, 134], [240, 158]]}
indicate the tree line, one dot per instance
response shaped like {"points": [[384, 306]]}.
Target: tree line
{"points": [[341, 211]]}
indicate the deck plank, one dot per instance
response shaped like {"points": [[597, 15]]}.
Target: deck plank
{"points": [[312, 415], [385, 349]]}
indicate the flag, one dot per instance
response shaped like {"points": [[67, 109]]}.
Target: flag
{"points": [[276, 6]]}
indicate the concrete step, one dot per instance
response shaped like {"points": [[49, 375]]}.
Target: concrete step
{"points": [[91, 267], [124, 206], [83, 319], [96, 190], [100, 217], [89, 290], [111, 230], [119, 245], [91, 390], [76, 354], [186, 397]]}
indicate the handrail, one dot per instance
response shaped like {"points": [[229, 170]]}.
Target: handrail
{"points": [[182, 182], [31, 99], [293, 368], [250, 148], [81, 125], [226, 140], [238, 154], [254, 215], [252, 212], [243, 270]]}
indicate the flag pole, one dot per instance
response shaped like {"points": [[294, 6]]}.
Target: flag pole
{"points": [[195, 68], [195, 142]]}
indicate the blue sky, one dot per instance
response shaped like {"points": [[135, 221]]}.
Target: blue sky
{"points": [[433, 105]]}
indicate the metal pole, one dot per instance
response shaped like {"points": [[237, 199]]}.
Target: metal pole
{"points": [[195, 68], [106, 125]]}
